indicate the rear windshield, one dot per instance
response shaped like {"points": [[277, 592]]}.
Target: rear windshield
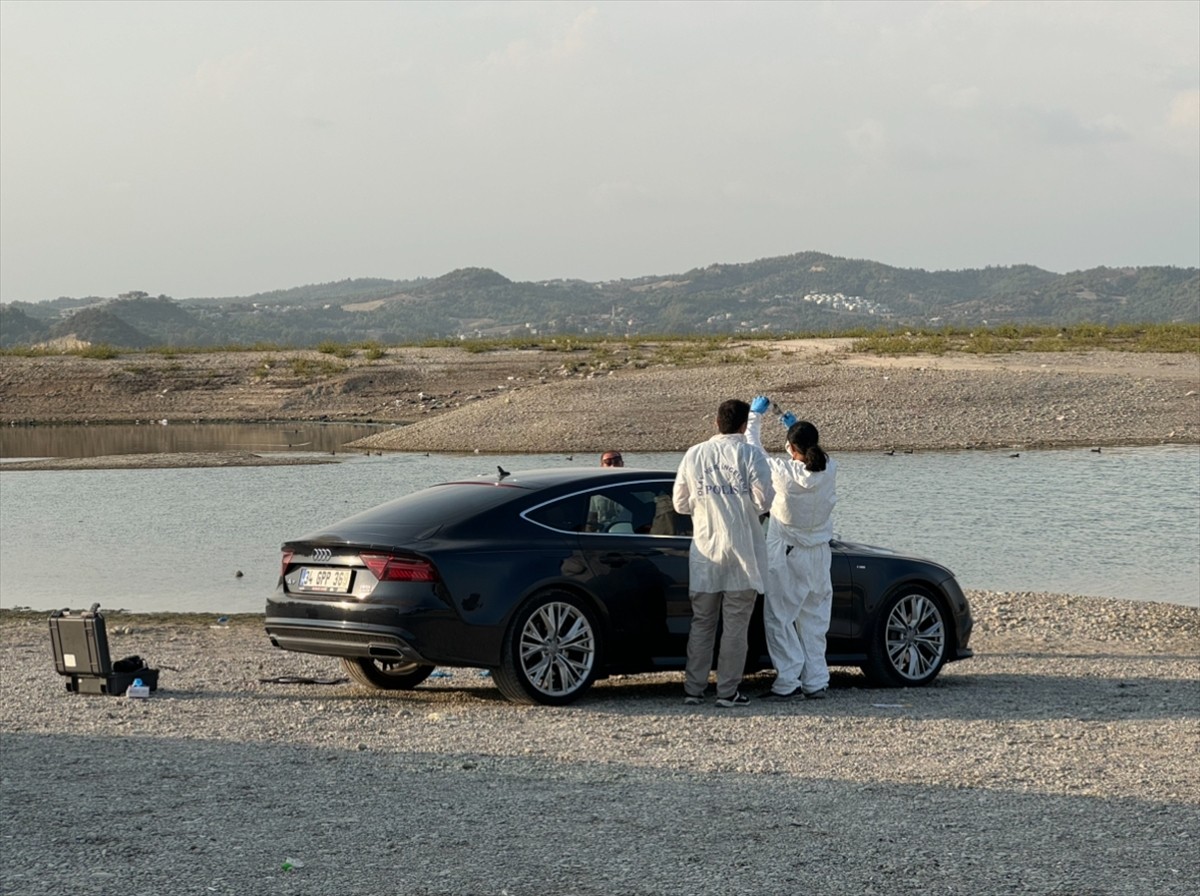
{"points": [[425, 510]]}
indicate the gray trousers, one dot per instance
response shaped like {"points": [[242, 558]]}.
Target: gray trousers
{"points": [[709, 608]]}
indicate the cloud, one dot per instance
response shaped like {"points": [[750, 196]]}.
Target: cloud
{"points": [[574, 41], [868, 141], [566, 44], [517, 54], [316, 122], [522, 135], [220, 79], [1063, 128], [1184, 114], [616, 194], [955, 97]]}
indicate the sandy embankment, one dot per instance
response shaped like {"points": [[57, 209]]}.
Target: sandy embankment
{"points": [[542, 401], [857, 403]]}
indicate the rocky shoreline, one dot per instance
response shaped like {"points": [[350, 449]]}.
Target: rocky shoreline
{"points": [[540, 401]]}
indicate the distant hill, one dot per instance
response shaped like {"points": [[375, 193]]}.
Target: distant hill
{"points": [[100, 326], [808, 292], [19, 328]]}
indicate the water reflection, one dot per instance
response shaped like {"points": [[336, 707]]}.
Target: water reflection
{"points": [[156, 438]]}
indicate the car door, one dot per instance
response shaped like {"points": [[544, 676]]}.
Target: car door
{"points": [[637, 551], [845, 617]]}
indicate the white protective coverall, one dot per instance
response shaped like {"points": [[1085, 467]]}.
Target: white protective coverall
{"points": [[724, 484], [799, 593]]}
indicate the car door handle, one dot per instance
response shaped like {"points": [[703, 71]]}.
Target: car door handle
{"points": [[614, 559]]}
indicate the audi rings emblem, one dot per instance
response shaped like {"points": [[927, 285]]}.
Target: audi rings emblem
{"points": [[322, 555]]}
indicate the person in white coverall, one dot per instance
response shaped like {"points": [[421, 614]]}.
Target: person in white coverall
{"points": [[799, 591], [724, 484]]}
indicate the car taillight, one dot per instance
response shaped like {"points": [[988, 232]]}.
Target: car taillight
{"points": [[387, 568], [285, 562]]}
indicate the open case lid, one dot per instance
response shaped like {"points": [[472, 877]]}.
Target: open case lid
{"points": [[80, 642]]}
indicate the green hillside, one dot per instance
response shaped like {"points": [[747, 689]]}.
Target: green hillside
{"points": [[804, 293]]}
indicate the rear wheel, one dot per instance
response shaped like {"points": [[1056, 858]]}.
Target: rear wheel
{"points": [[910, 642], [551, 653], [384, 674]]}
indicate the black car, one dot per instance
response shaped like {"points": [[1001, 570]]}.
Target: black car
{"points": [[552, 579]]}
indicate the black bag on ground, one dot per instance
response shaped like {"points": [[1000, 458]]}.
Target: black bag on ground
{"points": [[80, 644]]}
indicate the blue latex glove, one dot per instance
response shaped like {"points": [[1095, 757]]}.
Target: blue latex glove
{"points": [[788, 419], [760, 404]]}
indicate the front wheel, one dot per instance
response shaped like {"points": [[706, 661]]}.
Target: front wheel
{"points": [[551, 653], [387, 676], [910, 642]]}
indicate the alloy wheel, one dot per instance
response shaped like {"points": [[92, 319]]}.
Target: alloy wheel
{"points": [[557, 649], [915, 637]]}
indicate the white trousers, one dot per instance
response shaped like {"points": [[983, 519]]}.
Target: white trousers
{"points": [[796, 616]]}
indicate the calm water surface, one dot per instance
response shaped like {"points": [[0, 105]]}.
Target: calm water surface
{"points": [[169, 438], [1122, 523]]}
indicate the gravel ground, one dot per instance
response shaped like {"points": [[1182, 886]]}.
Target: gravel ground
{"points": [[1059, 760], [636, 399], [854, 409], [858, 402]]}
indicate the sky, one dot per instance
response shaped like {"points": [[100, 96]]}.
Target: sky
{"points": [[201, 149]]}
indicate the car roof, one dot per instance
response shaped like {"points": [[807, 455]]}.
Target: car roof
{"points": [[426, 510], [552, 477]]}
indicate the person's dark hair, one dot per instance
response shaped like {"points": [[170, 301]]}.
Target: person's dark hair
{"points": [[803, 436], [732, 415], [612, 459]]}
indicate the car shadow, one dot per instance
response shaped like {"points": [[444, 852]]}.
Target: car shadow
{"points": [[955, 694]]}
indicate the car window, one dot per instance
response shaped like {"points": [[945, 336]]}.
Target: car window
{"points": [[632, 508], [666, 521], [430, 508], [567, 514]]}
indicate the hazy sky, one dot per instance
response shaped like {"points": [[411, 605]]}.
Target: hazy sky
{"points": [[216, 148]]}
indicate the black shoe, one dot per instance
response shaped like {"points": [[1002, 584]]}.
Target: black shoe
{"points": [[818, 694], [775, 695]]}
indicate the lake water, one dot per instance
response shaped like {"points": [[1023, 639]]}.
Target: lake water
{"points": [[1121, 523], [170, 438]]}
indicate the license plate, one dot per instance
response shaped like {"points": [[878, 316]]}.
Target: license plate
{"points": [[324, 579]]}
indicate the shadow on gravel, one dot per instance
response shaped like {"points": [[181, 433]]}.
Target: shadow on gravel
{"points": [[994, 697], [168, 815], [957, 696], [1121, 657]]}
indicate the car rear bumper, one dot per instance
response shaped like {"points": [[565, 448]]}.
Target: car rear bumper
{"points": [[343, 639], [414, 626]]}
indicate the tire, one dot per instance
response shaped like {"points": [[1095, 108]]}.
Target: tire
{"points": [[911, 641], [385, 675], [551, 653]]}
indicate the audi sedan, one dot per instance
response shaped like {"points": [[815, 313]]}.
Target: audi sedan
{"points": [[552, 579]]}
